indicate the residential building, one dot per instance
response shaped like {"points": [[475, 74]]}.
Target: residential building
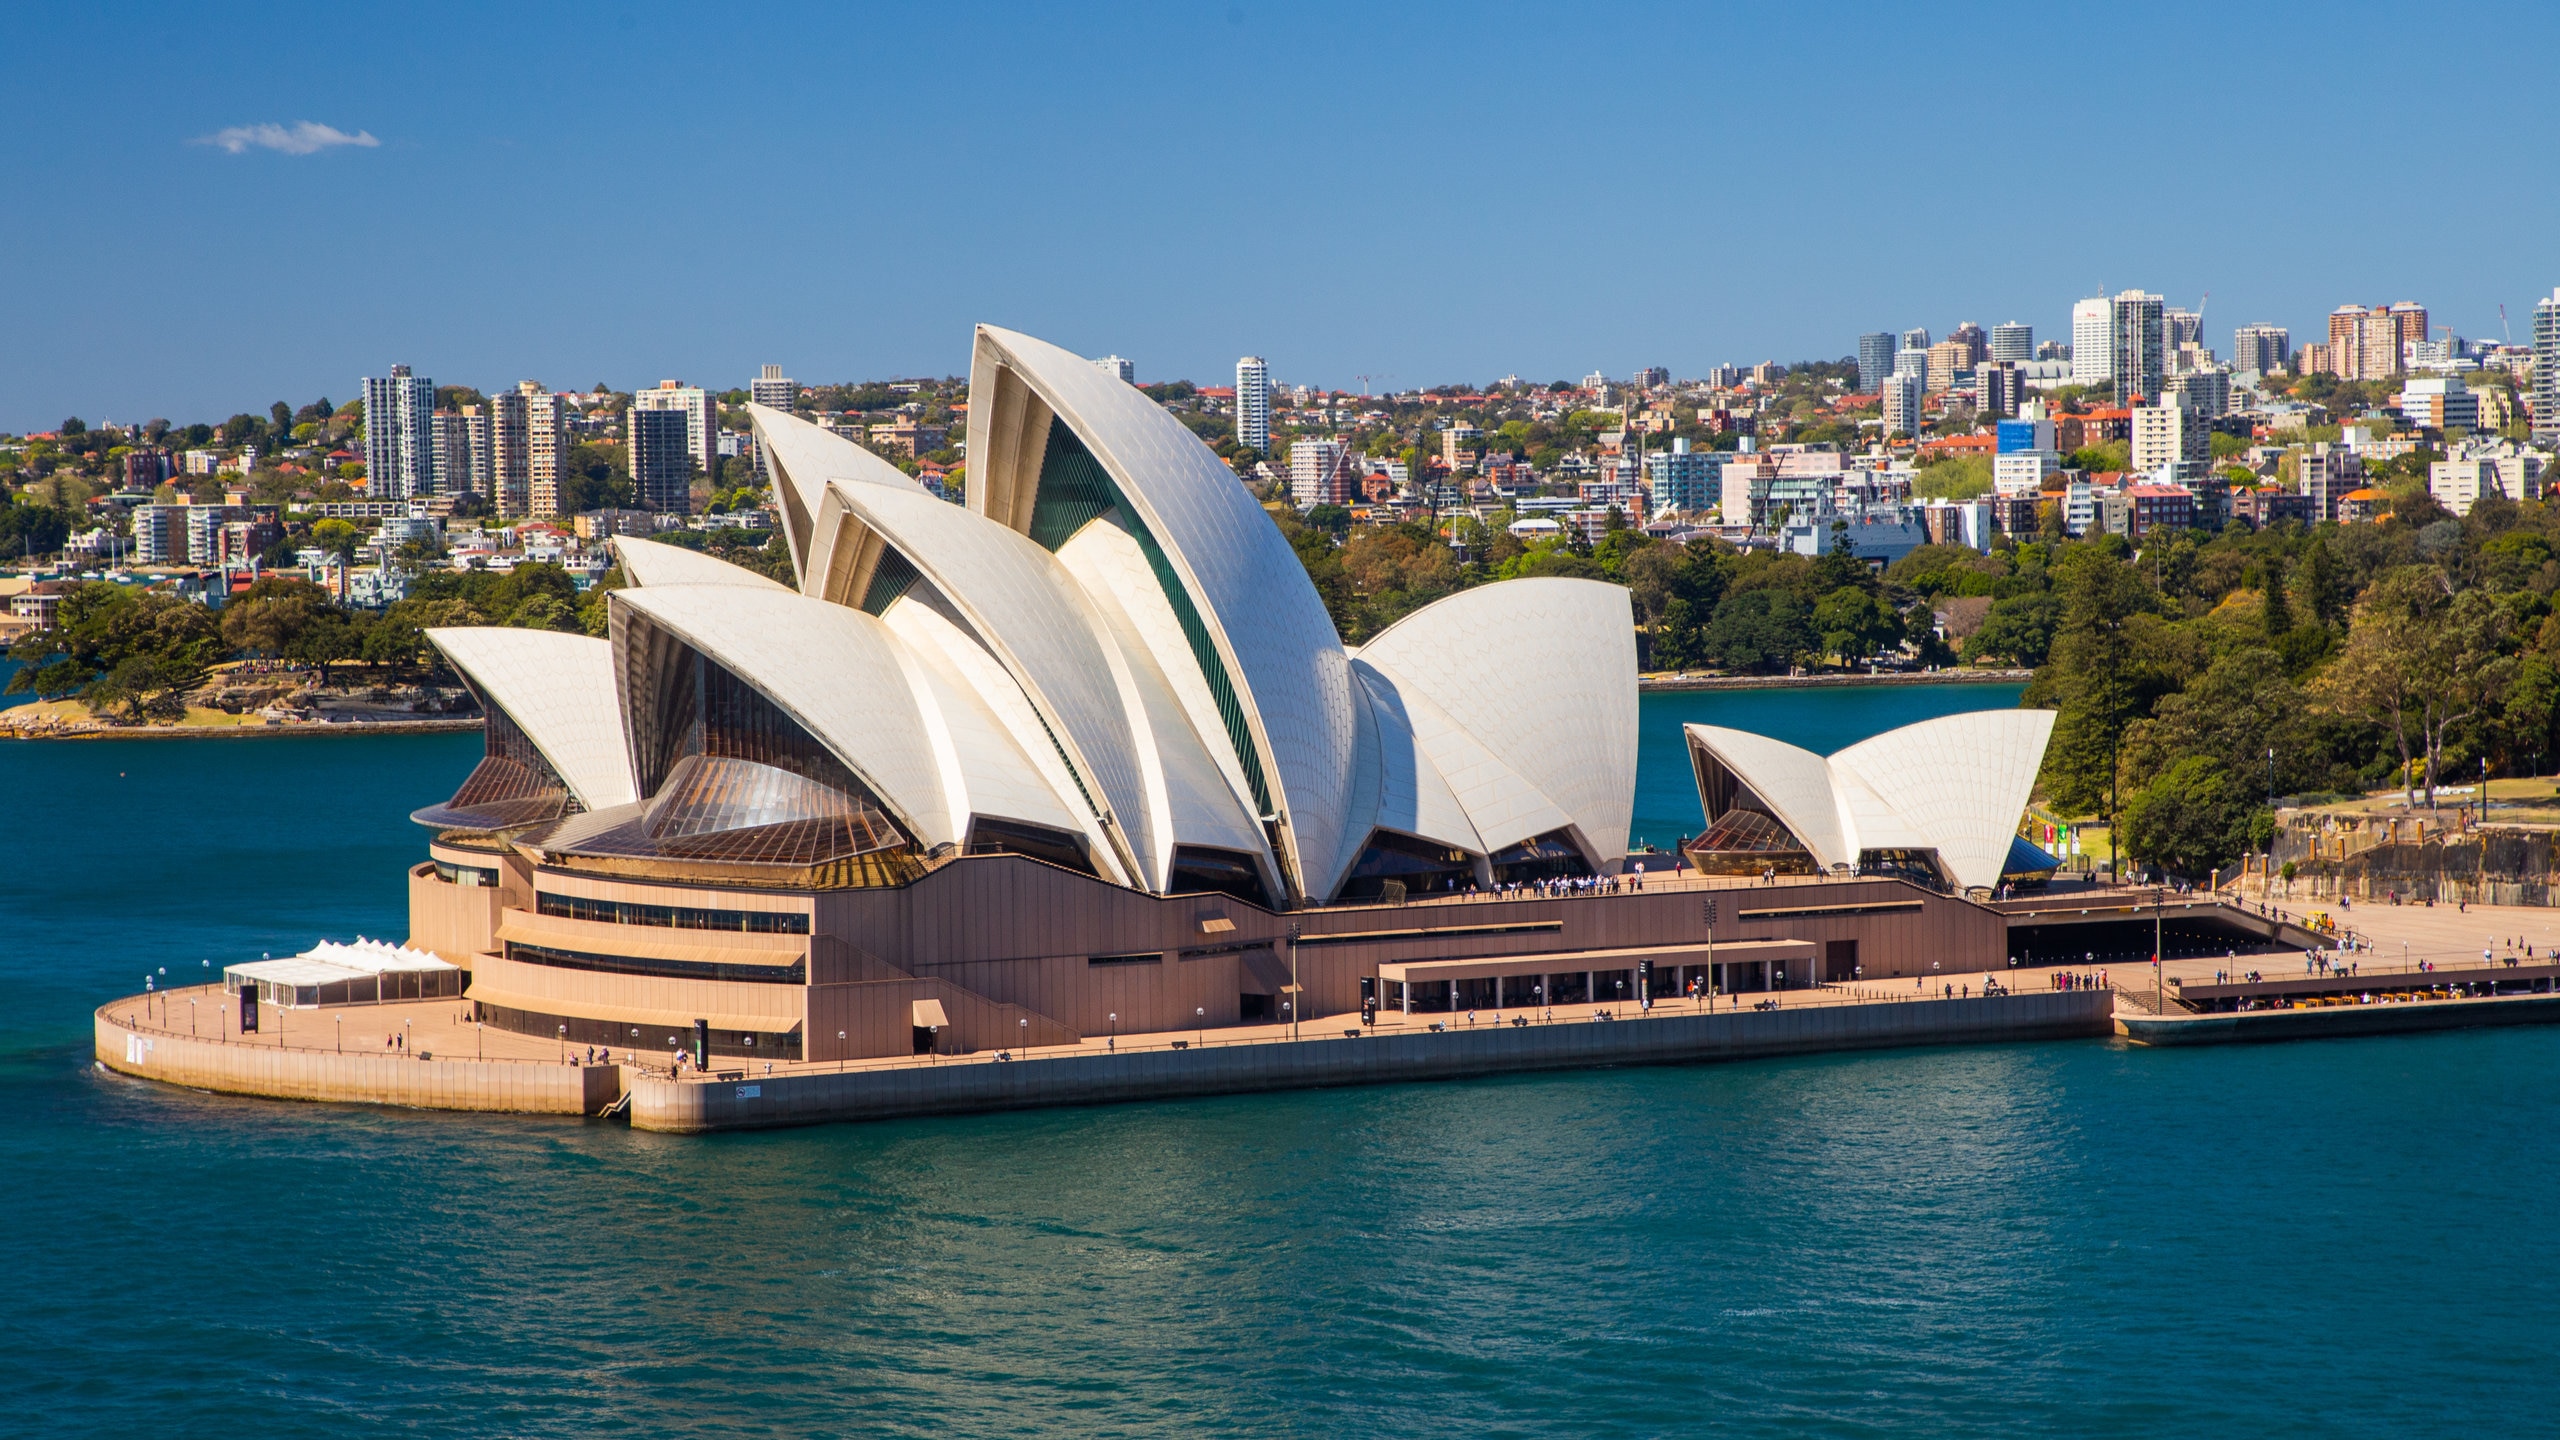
{"points": [[662, 464], [1902, 401], [2264, 349], [1977, 345], [906, 435], [2364, 342], [549, 428], [1914, 363], [701, 412], [1458, 447], [2159, 507], [1949, 360], [2170, 434], [2013, 341], [2093, 341], [510, 479], [2141, 350], [457, 460], [1916, 338], [1652, 377], [1320, 474], [2497, 469], [2439, 402], [2327, 473], [145, 467], [2031, 430], [2264, 505], [2315, 359], [2206, 392], [2023, 472], [2409, 321], [399, 439], [2546, 370], [1743, 483], [160, 534], [1118, 369], [772, 387], [1724, 377], [1999, 388], [1684, 481], [1875, 358], [1253, 404], [2016, 514]]}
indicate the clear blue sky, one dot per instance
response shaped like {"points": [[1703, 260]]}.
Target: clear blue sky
{"points": [[629, 193]]}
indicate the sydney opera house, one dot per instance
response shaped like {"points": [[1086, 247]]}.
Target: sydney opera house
{"points": [[1088, 757]]}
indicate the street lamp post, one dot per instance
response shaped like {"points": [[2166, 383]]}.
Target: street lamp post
{"points": [[1200, 1013], [840, 1052], [1294, 992]]}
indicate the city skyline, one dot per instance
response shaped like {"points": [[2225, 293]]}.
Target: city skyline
{"points": [[251, 264]]}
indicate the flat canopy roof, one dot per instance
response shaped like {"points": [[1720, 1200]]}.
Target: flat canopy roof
{"points": [[1566, 962]]}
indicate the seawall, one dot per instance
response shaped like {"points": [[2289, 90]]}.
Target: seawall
{"points": [[2340, 1021], [695, 1107], [371, 1078]]}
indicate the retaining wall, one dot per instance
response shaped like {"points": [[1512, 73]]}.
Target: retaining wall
{"points": [[2339, 1021], [231, 1068], [1093, 1079]]}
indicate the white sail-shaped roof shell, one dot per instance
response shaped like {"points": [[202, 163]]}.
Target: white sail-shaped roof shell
{"points": [[1956, 785], [1267, 626], [559, 689], [648, 562], [835, 671], [1524, 693], [1022, 603]]}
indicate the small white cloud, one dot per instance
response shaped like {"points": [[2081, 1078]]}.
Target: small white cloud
{"points": [[303, 137]]}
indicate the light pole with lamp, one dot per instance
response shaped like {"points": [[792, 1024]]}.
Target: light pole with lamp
{"points": [[564, 1042], [1294, 992], [1200, 1013], [1115, 1030], [839, 1052], [342, 1033]]}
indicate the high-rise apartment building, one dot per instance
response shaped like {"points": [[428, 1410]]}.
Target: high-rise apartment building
{"points": [[1999, 388], [1977, 345], [775, 389], [1652, 377], [1684, 481], [399, 435], [1319, 474], [2409, 319], [2093, 341], [661, 458], [2180, 327], [701, 412], [2262, 348], [457, 459], [1253, 404], [2170, 434], [1902, 397], [1916, 338], [2141, 351], [2013, 341], [2364, 342], [547, 422], [2546, 370], [1949, 360], [1118, 369], [1875, 358], [2327, 473], [1913, 363], [510, 472], [2206, 392]]}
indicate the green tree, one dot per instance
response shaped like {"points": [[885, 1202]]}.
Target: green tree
{"points": [[2018, 631], [2193, 819], [2420, 659], [1854, 624], [1762, 630]]}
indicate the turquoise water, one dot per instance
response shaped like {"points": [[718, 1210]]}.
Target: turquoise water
{"points": [[2059, 1240]]}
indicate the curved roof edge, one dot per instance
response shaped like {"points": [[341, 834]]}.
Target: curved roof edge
{"points": [[803, 458], [833, 670], [651, 562], [1541, 673], [560, 691]]}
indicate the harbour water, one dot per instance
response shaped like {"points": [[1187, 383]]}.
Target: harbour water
{"points": [[2326, 1239]]}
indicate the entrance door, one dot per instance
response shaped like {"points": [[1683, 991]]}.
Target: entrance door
{"points": [[1839, 961]]}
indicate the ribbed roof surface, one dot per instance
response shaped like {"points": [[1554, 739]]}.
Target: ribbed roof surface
{"points": [[560, 691]]}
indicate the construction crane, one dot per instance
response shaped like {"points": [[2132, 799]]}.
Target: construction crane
{"points": [[2502, 324]]}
